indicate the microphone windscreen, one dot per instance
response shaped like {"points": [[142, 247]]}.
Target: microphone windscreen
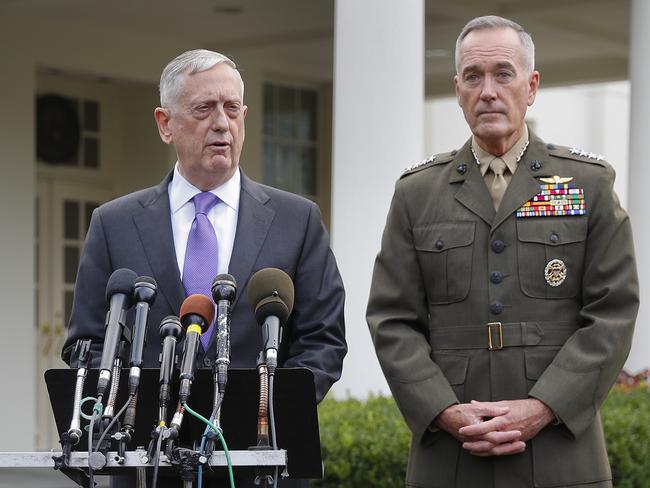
{"points": [[270, 292], [121, 281], [200, 305]]}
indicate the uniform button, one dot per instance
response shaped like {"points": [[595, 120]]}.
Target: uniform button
{"points": [[207, 362], [439, 244], [496, 277], [551, 146], [498, 245], [496, 308], [554, 238], [535, 165], [454, 152], [461, 168]]}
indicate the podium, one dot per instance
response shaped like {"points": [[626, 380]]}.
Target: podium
{"points": [[295, 416]]}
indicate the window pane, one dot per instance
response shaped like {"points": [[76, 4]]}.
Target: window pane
{"points": [[268, 163], [308, 181], [71, 219], [91, 116], [269, 110], [307, 115], [70, 263], [286, 112], [91, 152]]}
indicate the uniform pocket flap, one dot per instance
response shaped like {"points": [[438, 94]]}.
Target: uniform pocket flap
{"points": [[443, 236], [537, 360], [552, 231], [453, 366]]}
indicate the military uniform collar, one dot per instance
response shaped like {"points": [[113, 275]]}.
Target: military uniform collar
{"points": [[511, 157]]}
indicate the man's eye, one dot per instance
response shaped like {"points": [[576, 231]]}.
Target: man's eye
{"points": [[471, 77]]}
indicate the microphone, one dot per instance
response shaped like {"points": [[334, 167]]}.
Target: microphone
{"points": [[170, 332], [271, 294], [144, 293], [119, 295], [224, 290], [197, 313]]}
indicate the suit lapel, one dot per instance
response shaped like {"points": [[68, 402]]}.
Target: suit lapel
{"points": [[154, 226], [253, 223], [523, 186], [473, 193]]}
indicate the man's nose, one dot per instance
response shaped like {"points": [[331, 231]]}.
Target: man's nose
{"points": [[219, 119], [489, 89]]}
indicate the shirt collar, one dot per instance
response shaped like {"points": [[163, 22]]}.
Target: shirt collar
{"points": [[182, 191], [511, 157]]}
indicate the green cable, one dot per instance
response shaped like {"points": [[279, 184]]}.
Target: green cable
{"points": [[223, 441], [88, 417]]}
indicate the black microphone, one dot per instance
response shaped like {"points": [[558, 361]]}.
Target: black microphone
{"points": [[224, 290], [271, 294], [119, 295], [144, 293], [170, 332], [197, 313]]}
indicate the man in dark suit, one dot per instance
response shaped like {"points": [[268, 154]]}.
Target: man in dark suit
{"points": [[504, 296], [202, 114]]}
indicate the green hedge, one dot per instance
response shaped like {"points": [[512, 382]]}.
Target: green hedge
{"points": [[365, 443]]}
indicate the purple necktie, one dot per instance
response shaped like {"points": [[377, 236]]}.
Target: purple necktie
{"points": [[201, 255]]}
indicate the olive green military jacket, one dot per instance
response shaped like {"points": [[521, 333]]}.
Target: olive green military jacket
{"points": [[471, 304]]}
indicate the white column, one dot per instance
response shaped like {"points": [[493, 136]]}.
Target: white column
{"points": [[639, 173], [18, 353], [378, 130]]}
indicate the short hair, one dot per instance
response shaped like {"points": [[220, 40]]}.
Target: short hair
{"points": [[496, 22], [189, 63]]}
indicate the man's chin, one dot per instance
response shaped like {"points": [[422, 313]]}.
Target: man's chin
{"points": [[491, 131]]}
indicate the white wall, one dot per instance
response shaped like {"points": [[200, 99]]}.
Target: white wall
{"points": [[17, 360]]}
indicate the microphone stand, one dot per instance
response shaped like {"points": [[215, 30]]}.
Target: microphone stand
{"points": [[263, 476], [71, 438]]}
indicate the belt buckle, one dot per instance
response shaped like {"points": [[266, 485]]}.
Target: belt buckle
{"points": [[495, 338]]}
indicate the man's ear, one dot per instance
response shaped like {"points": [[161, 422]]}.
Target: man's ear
{"points": [[162, 117]]}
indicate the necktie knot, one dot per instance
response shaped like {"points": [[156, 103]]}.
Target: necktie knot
{"points": [[204, 201], [498, 166]]}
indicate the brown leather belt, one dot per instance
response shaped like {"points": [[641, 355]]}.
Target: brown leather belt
{"points": [[497, 335]]}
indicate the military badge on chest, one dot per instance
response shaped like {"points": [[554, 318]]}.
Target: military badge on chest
{"points": [[558, 197], [555, 272]]}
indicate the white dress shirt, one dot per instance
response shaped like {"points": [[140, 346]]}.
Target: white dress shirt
{"points": [[223, 216]]}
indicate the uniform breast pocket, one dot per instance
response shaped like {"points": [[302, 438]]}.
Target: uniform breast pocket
{"points": [[445, 254], [550, 255]]}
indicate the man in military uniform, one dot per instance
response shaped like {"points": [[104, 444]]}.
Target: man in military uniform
{"points": [[504, 296]]}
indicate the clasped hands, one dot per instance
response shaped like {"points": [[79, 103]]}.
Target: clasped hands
{"points": [[495, 428]]}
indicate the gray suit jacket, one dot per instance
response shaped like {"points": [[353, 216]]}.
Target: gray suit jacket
{"points": [[274, 229]]}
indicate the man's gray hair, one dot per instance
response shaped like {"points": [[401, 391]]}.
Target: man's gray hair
{"points": [[496, 22], [189, 63]]}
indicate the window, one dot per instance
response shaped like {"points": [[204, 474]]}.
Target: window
{"points": [[67, 131], [290, 138]]}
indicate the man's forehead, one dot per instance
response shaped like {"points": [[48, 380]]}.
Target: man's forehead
{"points": [[498, 47], [215, 81]]}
